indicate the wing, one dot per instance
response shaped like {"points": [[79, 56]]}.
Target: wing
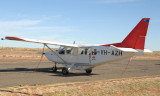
{"points": [[40, 41]]}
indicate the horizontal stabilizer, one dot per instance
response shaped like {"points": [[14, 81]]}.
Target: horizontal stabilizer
{"points": [[124, 49], [147, 50]]}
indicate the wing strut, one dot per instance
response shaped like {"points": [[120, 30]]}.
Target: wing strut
{"points": [[55, 53]]}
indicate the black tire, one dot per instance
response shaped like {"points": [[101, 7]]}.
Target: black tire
{"points": [[65, 71], [54, 69], [89, 71]]}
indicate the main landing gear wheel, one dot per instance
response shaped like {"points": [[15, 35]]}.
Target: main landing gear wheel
{"points": [[65, 71], [88, 71]]}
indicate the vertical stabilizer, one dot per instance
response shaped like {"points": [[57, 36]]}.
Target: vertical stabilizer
{"points": [[136, 38]]}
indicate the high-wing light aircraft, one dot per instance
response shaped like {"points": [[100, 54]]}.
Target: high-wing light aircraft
{"points": [[86, 57]]}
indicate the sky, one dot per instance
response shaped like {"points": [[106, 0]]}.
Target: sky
{"points": [[83, 21]]}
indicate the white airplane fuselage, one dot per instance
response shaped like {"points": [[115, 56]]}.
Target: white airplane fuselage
{"points": [[87, 58]]}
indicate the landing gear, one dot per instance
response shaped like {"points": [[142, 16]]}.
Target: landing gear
{"points": [[88, 71], [54, 69], [65, 71]]}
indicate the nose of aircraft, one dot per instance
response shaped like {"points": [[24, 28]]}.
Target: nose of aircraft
{"points": [[51, 56]]}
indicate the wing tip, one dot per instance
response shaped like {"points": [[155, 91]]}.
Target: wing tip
{"points": [[13, 38]]}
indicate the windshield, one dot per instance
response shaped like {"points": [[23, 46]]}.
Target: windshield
{"points": [[69, 51]]}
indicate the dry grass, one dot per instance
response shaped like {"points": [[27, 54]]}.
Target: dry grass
{"points": [[21, 53], [122, 87], [134, 88], [155, 55]]}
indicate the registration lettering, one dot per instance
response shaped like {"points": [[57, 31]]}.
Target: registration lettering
{"points": [[113, 52]]}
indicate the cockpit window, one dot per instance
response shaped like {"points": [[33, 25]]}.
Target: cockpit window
{"points": [[61, 50], [69, 51], [65, 50]]}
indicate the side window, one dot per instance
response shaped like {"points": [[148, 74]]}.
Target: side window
{"points": [[89, 51], [85, 51], [81, 51], [94, 52]]}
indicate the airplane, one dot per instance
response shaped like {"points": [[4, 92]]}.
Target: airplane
{"points": [[87, 57]]}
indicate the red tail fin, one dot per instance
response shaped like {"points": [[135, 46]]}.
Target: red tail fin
{"points": [[136, 38]]}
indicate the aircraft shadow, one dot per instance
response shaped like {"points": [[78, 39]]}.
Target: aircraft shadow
{"points": [[46, 70], [59, 73], [26, 70]]}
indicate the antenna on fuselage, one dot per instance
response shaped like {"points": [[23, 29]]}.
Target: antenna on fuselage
{"points": [[74, 42]]}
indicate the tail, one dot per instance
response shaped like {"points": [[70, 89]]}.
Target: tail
{"points": [[136, 38]]}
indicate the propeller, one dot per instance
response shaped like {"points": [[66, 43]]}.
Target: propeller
{"points": [[42, 55]]}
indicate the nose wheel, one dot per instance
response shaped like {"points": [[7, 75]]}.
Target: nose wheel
{"points": [[54, 69], [89, 71]]}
